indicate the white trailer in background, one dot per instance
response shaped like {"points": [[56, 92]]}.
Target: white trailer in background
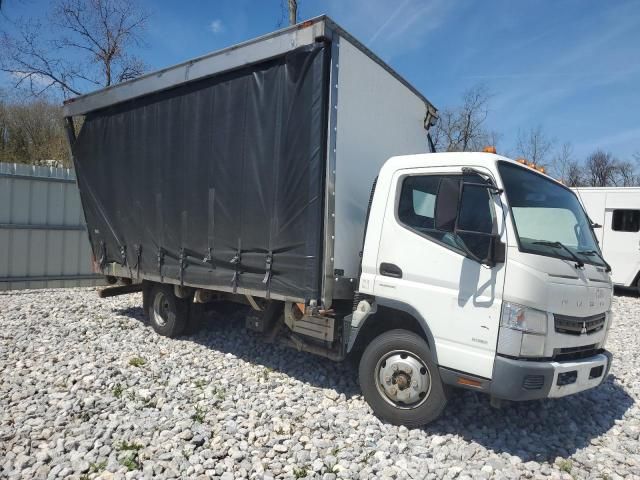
{"points": [[617, 209]]}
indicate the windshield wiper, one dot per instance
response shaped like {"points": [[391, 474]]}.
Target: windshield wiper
{"points": [[579, 263], [599, 255]]}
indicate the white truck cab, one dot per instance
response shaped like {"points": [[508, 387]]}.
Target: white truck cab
{"points": [[499, 264]]}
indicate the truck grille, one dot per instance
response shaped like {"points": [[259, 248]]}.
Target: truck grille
{"points": [[579, 325], [575, 353]]}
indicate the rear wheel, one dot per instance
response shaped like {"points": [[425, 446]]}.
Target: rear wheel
{"points": [[168, 314], [400, 381]]}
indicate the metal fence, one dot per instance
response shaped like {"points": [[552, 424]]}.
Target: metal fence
{"points": [[43, 239]]}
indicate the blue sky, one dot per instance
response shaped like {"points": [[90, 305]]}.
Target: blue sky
{"points": [[572, 66]]}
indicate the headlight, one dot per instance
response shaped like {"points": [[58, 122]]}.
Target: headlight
{"points": [[522, 331], [525, 319]]}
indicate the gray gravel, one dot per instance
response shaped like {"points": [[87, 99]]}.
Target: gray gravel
{"points": [[87, 390]]}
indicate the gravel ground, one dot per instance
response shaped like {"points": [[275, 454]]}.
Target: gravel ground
{"points": [[87, 390]]}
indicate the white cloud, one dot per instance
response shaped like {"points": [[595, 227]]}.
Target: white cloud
{"points": [[216, 26]]}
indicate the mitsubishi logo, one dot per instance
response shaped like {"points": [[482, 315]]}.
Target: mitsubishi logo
{"points": [[584, 328]]}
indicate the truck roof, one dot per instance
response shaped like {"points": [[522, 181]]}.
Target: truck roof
{"points": [[251, 51], [444, 159], [635, 190]]}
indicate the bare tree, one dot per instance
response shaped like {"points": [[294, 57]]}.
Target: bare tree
{"points": [[32, 132], [534, 145], [601, 169], [574, 175], [85, 44], [626, 175], [561, 161], [461, 129]]}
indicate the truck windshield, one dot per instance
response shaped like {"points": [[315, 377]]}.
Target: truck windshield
{"points": [[549, 219]]}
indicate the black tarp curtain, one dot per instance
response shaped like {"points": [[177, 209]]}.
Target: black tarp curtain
{"points": [[217, 182]]}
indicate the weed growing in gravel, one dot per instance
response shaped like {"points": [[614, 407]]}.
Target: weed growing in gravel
{"points": [[300, 472], [565, 466], [200, 383], [137, 361], [126, 446], [131, 462], [219, 393], [266, 372], [97, 467], [199, 415], [117, 390], [328, 469]]}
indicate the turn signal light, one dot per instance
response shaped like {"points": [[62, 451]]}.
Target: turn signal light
{"points": [[489, 149], [469, 382]]}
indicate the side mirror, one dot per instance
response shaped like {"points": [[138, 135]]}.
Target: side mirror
{"points": [[447, 204]]}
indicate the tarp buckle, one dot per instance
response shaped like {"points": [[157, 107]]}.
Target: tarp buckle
{"points": [[123, 254], [236, 261], [138, 250], [103, 254], [183, 265], [209, 258], [268, 272], [160, 257]]}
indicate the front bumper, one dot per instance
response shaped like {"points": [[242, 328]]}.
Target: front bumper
{"points": [[528, 380]]}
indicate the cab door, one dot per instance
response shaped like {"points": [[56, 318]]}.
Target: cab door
{"points": [[458, 297]]}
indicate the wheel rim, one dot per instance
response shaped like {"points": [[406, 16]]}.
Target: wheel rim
{"points": [[161, 309], [403, 379]]}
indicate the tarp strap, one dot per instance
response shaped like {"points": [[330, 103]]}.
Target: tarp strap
{"points": [[183, 265], [138, 250], [268, 273], [103, 254], [160, 257], [123, 257], [236, 261], [210, 226]]}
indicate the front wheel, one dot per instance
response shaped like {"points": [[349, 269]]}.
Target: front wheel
{"points": [[400, 381]]}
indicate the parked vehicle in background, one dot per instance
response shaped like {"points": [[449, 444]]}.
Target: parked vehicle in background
{"points": [[617, 211], [289, 173]]}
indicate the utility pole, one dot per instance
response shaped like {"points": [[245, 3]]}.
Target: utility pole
{"points": [[293, 12]]}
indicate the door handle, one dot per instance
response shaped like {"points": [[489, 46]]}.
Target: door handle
{"points": [[390, 270]]}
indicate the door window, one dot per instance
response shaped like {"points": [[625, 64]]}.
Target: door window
{"points": [[416, 211], [626, 220]]}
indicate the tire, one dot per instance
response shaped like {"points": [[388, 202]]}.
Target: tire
{"points": [[401, 360], [168, 314]]}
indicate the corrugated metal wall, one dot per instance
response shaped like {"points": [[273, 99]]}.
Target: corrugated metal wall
{"points": [[43, 239]]}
